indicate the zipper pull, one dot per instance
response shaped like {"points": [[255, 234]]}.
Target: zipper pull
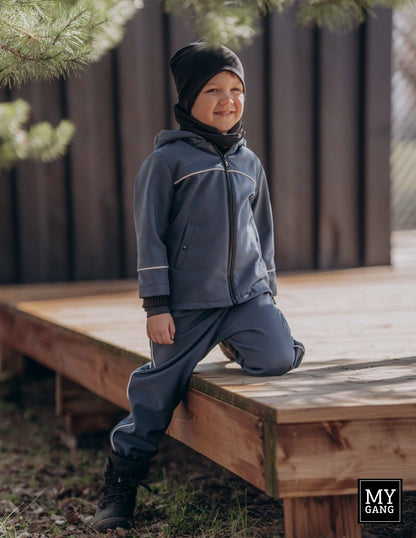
{"points": [[227, 167]]}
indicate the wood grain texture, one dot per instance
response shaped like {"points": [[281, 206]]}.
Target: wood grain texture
{"points": [[237, 444], [339, 202], [322, 517], [11, 360], [377, 137], [327, 458], [95, 204], [140, 82], [8, 232], [40, 195], [290, 112]]}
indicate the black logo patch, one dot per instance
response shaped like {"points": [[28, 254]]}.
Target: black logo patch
{"points": [[380, 501]]}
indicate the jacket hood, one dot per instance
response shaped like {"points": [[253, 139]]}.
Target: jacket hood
{"points": [[169, 136]]}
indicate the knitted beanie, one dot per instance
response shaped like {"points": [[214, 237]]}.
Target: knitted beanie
{"points": [[193, 65]]}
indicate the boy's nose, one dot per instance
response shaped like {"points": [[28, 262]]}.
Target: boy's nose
{"points": [[226, 99]]}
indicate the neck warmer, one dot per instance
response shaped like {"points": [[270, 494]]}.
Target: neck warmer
{"points": [[223, 141]]}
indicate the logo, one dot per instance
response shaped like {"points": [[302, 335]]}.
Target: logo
{"points": [[380, 501]]}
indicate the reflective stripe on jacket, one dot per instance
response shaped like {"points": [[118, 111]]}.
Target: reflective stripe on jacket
{"points": [[203, 222]]}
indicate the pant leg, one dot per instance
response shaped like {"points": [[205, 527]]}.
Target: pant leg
{"points": [[261, 338], [154, 390]]}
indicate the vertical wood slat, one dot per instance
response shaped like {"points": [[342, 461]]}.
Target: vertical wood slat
{"points": [[93, 165], [142, 107], [254, 120], [322, 517], [180, 34], [41, 198], [377, 136], [339, 204], [7, 231], [291, 157]]}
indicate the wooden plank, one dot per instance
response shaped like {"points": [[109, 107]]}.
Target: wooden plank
{"points": [[377, 136], [291, 159], [328, 458], [8, 233], [14, 294], [142, 107], [180, 33], [72, 355], [223, 433], [40, 188], [11, 360], [254, 117], [83, 410], [322, 517], [93, 174], [338, 227]]}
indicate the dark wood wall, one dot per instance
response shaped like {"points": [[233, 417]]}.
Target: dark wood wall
{"points": [[317, 114]]}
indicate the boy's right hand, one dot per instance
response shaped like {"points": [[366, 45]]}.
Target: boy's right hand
{"points": [[161, 329]]}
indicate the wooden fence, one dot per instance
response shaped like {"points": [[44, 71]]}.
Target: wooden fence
{"points": [[317, 114]]}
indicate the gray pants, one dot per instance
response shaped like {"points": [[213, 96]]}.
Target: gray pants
{"points": [[263, 345]]}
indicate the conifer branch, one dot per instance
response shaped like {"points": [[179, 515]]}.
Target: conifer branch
{"points": [[67, 26]]}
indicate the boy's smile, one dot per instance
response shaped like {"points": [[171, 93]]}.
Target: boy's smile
{"points": [[220, 103]]}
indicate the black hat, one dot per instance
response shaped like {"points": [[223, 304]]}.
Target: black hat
{"points": [[192, 66]]}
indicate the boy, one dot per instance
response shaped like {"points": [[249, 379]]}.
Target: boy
{"points": [[205, 264]]}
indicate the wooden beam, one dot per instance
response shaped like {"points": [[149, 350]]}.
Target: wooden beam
{"points": [[328, 458], [225, 434], [11, 360], [74, 355], [322, 517], [83, 410]]}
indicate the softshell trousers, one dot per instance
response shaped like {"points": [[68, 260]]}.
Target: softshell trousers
{"points": [[262, 345]]}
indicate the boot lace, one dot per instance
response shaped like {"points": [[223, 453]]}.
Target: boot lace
{"points": [[119, 490]]}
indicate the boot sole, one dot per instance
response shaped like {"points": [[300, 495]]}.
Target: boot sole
{"points": [[112, 523]]}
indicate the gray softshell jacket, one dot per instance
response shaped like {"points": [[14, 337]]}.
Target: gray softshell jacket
{"points": [[203, 224]]}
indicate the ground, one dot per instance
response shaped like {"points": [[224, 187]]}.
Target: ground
{"points": [[49, 485]]}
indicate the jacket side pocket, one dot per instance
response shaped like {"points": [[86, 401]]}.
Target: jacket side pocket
{"points": [[184, 247]]}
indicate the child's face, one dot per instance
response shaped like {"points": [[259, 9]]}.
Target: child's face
{"points": [[220, 103]]}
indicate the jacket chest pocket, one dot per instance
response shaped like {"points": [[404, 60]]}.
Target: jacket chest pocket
{"points": [[184, 247]]}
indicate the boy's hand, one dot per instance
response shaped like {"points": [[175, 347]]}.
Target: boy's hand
{"points": [[161, 329]]}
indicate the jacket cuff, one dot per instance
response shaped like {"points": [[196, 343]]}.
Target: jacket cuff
{"points": [[156, 310], [155, 300], [272, 282]]}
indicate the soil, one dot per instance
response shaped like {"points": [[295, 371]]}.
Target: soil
{"points": [[50, 480]]}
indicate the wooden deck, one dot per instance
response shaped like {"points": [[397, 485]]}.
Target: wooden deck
{"points": [[348, 412]]}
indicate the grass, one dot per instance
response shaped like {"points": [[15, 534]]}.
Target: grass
{"points": [[7, 529]]}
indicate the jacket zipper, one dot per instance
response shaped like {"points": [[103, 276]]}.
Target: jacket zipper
{"points": [[231, 227]]}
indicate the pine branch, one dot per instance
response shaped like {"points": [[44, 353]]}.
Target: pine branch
{"points": [[234, 22], [41, 141], [44, 39]]}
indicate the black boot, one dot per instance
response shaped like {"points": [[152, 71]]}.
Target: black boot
{"points": [[117, 501]]}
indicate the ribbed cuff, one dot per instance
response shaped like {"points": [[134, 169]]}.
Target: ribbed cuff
{"points": [[156, 300], [158, 304], [155, 310]]}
